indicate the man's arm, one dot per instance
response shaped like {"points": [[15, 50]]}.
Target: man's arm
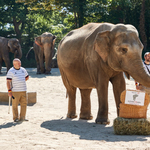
{"points": [[27, 77], [138, 85], [8, 82]]}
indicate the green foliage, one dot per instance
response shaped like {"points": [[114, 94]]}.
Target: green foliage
{"points": [[28, 63], [96, 11], [120, 11], [34, 17]]}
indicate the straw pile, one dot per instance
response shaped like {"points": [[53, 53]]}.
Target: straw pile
{"points": [[123, 126]]}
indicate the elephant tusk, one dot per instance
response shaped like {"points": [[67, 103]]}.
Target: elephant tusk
{"points": [[127, 75]]}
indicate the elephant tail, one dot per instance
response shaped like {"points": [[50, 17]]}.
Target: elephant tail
{"points": [[66, 94], [66, 82], [29, 52]]}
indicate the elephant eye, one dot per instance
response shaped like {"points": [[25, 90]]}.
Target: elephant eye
{"points": [[124, 50]]}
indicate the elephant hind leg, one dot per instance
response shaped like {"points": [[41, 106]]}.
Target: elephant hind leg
{"points": [[85, 104], [71, 92], [71, 103]]}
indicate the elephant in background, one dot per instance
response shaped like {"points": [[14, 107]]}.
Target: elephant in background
{"points": [[9, 45], [44, 51], [93, 55]]}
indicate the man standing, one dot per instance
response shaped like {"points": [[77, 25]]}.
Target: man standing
{"points": [[146, 65], [16, 85]]}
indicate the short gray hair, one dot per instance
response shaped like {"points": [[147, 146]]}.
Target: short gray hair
{"points": [[16, 59], [146, 54]]}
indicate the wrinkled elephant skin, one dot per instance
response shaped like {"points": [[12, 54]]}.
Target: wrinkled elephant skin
{"points": [[9, 45], [44, 51], [93, 55]]}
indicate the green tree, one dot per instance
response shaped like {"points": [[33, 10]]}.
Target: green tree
{"points": [[142, 24], [76, 7], [14, 15]]}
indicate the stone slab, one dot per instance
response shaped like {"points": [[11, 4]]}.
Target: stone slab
{"points": [[31, 97]]}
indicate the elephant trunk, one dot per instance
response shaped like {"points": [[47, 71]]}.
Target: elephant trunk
{"points": [[139, 74], [18, 53], [48, 53]]}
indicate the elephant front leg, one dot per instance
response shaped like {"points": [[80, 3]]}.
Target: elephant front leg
{"points": [[71, 103], [38, 64], [118, 83], [102, 116], [48, 65], [85, 104], [42, 67], [1, 65], [7, 63]]}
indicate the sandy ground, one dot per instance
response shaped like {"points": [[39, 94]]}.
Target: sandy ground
{"points": [[48, 127]]}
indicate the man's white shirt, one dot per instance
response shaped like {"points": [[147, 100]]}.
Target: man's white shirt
{"points": [[17, 76], [148, 66]]}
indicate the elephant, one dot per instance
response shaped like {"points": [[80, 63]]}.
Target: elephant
{"points": [[44, 50], [91, 56], [9, 45]]}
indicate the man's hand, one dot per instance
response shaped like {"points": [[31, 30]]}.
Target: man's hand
{"points": [[10, 94], [139, 87]]}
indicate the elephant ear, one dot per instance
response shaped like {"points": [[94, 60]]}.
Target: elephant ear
{"points": [[10, 43], [101, 44], [38, 41], [54, 39]]}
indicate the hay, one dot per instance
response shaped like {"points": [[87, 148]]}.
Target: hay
{"points": [[123, 126]]}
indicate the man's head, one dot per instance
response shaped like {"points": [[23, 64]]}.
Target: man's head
{"points": [[17, 63], [147, 53], [147, 56]]}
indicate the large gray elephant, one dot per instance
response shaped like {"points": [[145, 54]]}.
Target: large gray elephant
{"points": [[93, 55], [9, 45], [44, 50]]}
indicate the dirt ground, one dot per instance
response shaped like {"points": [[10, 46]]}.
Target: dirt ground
{"points": [[48, 127]]}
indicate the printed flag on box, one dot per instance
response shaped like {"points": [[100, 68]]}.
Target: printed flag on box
{"points": [[135, 98]]}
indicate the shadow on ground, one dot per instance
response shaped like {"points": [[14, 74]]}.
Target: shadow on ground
{"points": [[89, 131], [9, 124]]}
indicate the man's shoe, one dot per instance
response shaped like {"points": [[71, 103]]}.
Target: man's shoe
{"points": [[26, 120], [16, 120]]}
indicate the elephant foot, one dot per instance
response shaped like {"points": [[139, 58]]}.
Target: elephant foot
{"points": [[47, 72], [38, 73], [102, 121], [86, 117], [72, 116], [42, 71]]}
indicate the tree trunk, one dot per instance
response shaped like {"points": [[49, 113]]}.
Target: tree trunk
{"points": [[16, 27], [81, 12], [75, 13], [75, 17], [142, 25]]}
